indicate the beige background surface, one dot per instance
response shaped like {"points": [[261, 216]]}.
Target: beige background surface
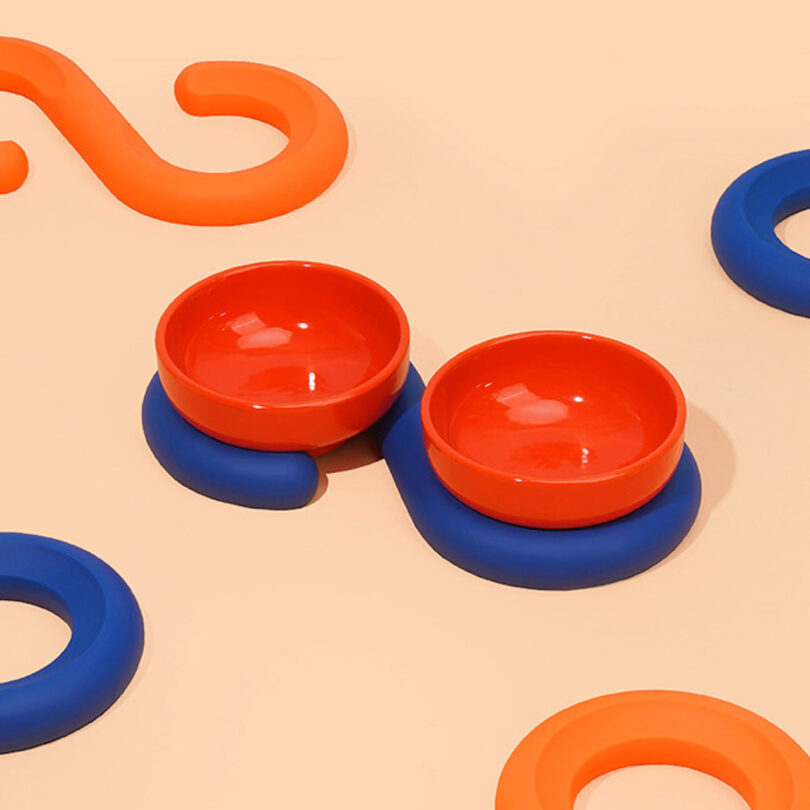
{"points": [[513, 166]]}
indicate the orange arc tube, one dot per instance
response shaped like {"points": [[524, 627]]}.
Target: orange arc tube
{"points": [[141, 179], [562, 755]]}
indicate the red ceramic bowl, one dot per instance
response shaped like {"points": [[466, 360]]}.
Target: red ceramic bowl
{"points": [[283, 355], [553, 429]]}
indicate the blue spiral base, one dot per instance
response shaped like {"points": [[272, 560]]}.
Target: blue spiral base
{"points": [[513, 555]]}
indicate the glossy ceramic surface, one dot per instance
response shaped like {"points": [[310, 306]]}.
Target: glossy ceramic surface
{"points": [[553, 429], [283, 355]]}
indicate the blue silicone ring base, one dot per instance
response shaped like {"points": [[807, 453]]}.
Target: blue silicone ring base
{"points": [[743, 234], [559, 559], [103, 652], [513, 555], [222, 471]]}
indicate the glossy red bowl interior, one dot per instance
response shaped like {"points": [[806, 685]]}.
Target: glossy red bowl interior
{"points": [[553, 429], [283, 355]]}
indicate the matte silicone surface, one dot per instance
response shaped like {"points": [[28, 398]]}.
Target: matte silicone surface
{"points": [[743, 234], [566, 752], [283, 355], [127, 165], [553, 429], [514, 555], [103, 652], [222, 471], [517, 555], [13, 166]]}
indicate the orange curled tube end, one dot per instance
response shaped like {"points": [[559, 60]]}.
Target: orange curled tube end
{"points": [[141, 179], [13, 166]]}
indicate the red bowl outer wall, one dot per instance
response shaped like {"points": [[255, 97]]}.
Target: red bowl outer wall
{"points": [[314, 426], [553, 503]]}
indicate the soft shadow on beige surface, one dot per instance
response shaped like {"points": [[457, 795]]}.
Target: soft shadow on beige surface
{"points": [[353, 454], [714, 453]]}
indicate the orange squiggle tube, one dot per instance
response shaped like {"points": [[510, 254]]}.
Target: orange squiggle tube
{"points": [[141, 179]]}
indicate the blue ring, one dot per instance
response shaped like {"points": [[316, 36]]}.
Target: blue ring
{"points": [[101, 656], [222, 471], [514, 555], [559, 559], [743, 234]]}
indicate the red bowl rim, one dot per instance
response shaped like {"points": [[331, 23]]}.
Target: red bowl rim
{"points": [[390, 367], [672, 438]]}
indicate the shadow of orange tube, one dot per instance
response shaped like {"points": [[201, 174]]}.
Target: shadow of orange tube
{"points": [[141, 179]]}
